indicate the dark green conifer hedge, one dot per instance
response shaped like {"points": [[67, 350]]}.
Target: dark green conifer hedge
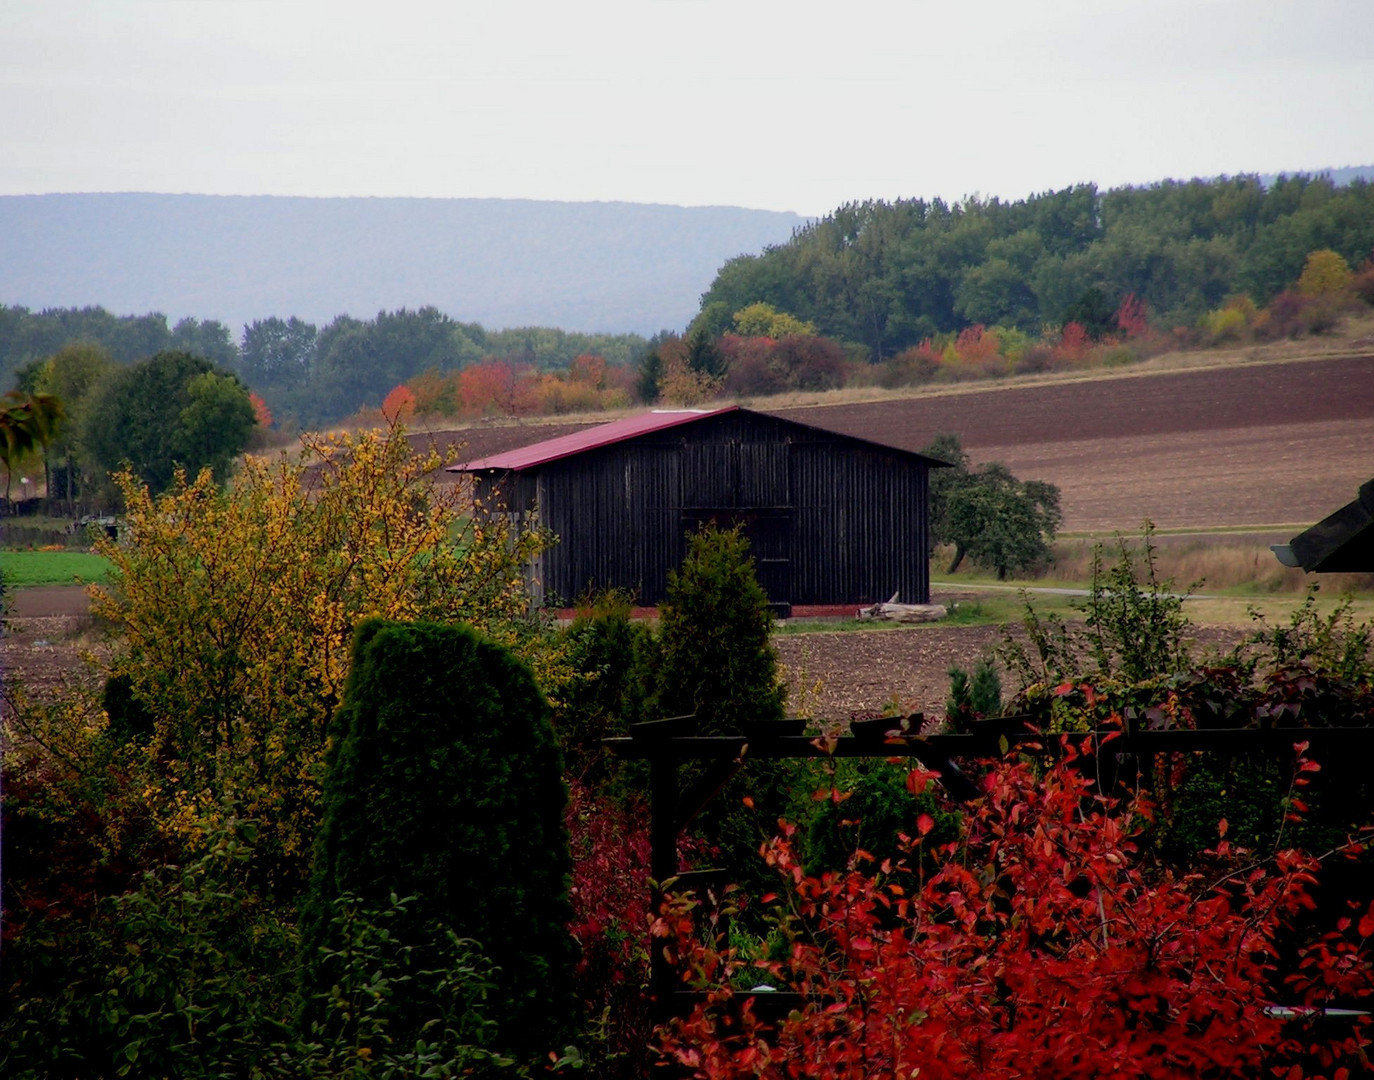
{"points": [[444, 783]]}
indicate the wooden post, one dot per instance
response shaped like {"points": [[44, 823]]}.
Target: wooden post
{"points": [[663, 824]]}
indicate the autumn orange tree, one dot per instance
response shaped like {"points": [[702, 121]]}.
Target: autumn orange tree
{"points": [[234, 610], [399, 405]]}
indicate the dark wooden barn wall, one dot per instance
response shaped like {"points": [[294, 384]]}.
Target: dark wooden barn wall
{"points": [[860, 526], [831, 521]]}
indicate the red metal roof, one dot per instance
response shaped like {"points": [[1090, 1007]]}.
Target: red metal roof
{"points": [[527, 457]]}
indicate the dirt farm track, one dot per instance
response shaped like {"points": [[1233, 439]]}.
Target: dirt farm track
{"points": [[1272, 446]]}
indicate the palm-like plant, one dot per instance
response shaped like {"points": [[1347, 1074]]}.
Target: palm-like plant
{"points": [[48, 416], [27, 421]]}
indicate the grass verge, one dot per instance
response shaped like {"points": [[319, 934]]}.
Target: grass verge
{"points": [[23, 568], [990, 609]]}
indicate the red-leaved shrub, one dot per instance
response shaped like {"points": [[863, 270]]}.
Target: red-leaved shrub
{"points": [[609, 840], [1039, 947], [1073, 346], [1131, 317]]}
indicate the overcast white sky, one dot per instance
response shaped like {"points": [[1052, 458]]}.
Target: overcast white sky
{"points": [[787, 106]]}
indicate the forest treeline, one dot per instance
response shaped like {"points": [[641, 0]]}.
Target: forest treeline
{"points": [[891, 275], [894, 294], [307, 375]]}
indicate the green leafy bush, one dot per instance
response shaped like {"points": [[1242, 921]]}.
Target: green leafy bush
{"points": [[612, 664], [1134, 627], [1334, 645], [362, 1025], [188, 974], [869, 808], [192, 973]]}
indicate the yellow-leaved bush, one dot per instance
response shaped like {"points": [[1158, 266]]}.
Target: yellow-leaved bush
{"points": [[235, 609]]}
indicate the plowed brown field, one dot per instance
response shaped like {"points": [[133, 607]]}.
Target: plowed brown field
{"points": [[1251, 444]]}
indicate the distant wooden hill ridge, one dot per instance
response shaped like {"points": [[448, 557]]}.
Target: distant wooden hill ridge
{"points": [[612, 267], [1251, 446]]}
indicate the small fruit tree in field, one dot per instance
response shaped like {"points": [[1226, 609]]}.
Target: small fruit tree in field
{"points": [[235, 608]]}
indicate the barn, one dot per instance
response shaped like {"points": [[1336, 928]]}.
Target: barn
{"points": [[831, 519]]}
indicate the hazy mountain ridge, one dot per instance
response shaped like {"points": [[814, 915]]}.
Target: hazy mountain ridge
{"points": [[1346, 174], [616, 267]]}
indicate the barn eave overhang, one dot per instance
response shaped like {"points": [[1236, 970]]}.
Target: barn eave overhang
{"points": [[1342, 542]]}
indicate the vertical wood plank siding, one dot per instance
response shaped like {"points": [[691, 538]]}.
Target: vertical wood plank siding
{"points": [[832, 520]]}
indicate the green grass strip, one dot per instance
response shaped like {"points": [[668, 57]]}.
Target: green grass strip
{"points": [[23, 568]]}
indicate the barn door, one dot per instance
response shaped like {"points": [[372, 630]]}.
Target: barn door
{"points": [[728, 483]]}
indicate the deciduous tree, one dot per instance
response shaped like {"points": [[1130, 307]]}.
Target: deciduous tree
{"points": [[171, 411], [682, 381], [1325, 273], [398, 407], [71, 374], [990, 516], [262, 415], [235, 610], [764, 320]]}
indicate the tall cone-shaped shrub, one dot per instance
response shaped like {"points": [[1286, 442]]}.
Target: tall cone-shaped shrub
{"points": [[717, 660], [444, 783]]}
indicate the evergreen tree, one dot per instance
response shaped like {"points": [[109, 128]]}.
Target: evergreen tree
{"points": [[704, 355], [717, 660], [444, 783], [650, 372]]}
